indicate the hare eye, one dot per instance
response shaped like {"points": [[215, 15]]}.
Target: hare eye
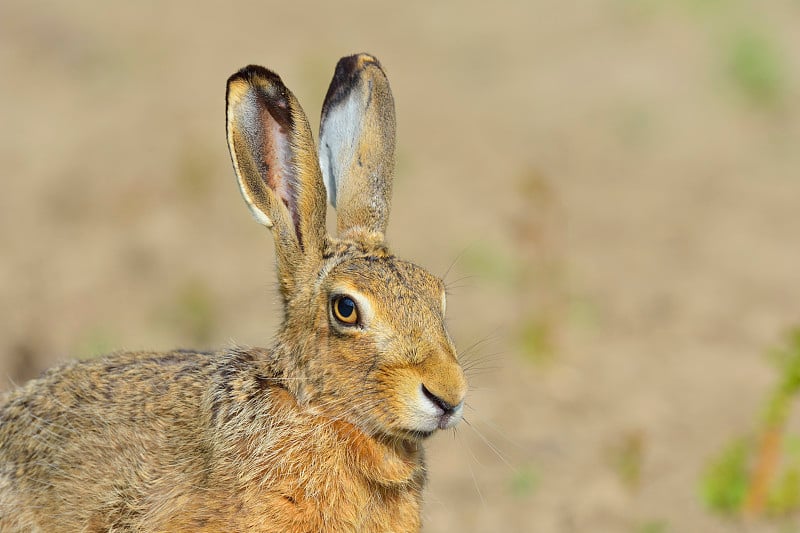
{"points": [[344, 309]]}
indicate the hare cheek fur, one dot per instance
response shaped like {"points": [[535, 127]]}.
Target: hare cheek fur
{"points": [[399, 349], [320, 432]]}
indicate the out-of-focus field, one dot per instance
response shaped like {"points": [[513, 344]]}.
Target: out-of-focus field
{"points": [[618, 183]]}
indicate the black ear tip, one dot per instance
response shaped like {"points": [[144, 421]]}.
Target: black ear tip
{"points": [[346, 76], [349, 65], [256, 73], [263, 85]]}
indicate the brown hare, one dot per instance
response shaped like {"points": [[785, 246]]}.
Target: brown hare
{"points": [[323, 430]]}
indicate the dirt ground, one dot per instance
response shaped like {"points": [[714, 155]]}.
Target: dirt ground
{"points": [[616, 181]]}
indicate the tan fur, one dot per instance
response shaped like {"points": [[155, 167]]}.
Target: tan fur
{"points": [[370, 164], [319, 432]]}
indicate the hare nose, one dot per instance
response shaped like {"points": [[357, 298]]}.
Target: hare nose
{"points": [[442, 404]]}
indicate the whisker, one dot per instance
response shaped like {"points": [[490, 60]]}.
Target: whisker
{"points": [[457, 259], [471, 471], [457, 283], [490, 445], [496, 429]]}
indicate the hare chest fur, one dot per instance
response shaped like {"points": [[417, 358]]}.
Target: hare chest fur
{"points": [[236, 455], [323, 431]]}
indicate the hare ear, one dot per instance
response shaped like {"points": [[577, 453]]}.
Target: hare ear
{"points": [[356, 153], [275, 161]]}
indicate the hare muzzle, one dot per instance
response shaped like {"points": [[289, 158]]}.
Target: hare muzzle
{"points": [[439, 398]]}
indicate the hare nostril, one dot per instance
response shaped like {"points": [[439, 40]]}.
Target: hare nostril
{"points": [[438, 402]]}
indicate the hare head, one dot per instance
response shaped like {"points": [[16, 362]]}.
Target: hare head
{"points": [[363, 337]]}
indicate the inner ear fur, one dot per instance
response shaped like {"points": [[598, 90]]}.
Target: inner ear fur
{"points": [[276, 165]]}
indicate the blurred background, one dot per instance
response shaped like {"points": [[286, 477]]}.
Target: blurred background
{"points": [[612, 187]]}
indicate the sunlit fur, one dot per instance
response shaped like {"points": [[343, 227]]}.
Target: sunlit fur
{"points": [[322, 431], [381, 366]]}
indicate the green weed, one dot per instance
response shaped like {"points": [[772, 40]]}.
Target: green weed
{"points": [[524, 482], [785, 495], [626, 458], [536, 339], [531, 268], [750, 60], [653, 526], [755, 67], [491, 263], [541, 300], [193, 312], [761, 475], [726, 480], [97, 341]]}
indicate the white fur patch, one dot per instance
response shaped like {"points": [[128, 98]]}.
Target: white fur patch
{"points": [[427, 414], [339, 135]]}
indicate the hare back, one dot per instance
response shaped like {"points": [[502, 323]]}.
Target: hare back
{"points": [[187, 441]]}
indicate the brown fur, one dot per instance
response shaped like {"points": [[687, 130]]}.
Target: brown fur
{"points": [[317, 433]]}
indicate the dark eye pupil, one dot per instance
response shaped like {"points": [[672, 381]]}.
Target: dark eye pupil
{"points": [[345, 306]]}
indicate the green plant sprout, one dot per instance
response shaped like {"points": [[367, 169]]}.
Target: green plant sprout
{"points": [[538, 240], [724, 485], [97, 341], [756, 68], [524, 482], [760, 475], [653, 526], [192, 312], [626, 458], [531, 267]]}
